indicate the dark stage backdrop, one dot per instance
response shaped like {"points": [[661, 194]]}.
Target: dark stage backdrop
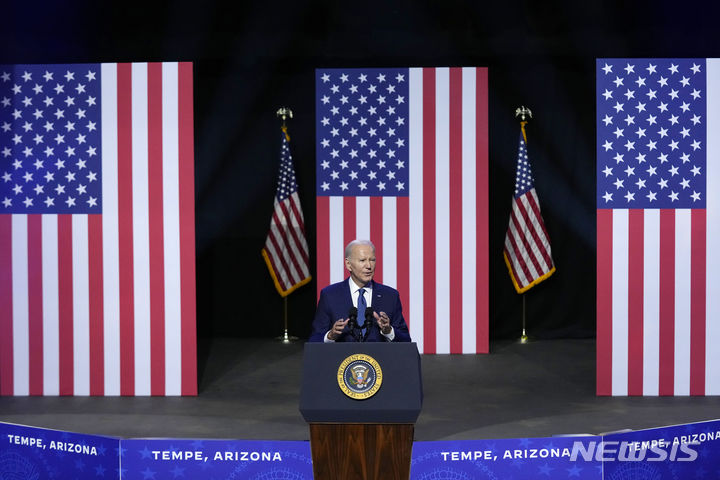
{"points": [[252, 57]]}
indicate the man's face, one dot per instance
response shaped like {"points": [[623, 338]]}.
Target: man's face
{"points": [[361, 264]]}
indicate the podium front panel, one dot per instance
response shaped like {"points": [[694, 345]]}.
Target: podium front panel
{"points": [[398, 400]]}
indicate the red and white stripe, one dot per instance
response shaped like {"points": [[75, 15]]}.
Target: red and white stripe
{"points": [[105, 304], [658, 289], [433, 245], [286, 247], [527, 248]]}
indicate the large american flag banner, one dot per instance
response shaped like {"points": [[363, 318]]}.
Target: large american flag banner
{"points": [[527, 251], [658, 283], [402, 160], [286, 250], [97, 242]]}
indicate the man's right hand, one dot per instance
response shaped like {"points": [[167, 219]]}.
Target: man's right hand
{"points": [[337, 329]]}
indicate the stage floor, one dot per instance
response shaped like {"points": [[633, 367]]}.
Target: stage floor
{"points": [[249, 389]]}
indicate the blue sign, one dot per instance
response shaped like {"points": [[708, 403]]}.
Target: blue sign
{"points": [[677, 452], [37, 453], [144, 459], [507, 459]]}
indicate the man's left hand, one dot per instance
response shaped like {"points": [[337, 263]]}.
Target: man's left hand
{"points": [[383, 322]]}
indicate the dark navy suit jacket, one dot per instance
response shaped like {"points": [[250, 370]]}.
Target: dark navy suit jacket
{"points": [[336, 301]]}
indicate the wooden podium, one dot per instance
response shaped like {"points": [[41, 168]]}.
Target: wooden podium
{"points": [[354, 438]]}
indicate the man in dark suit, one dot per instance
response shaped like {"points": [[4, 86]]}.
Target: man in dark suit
{"points": [[359, 291]]}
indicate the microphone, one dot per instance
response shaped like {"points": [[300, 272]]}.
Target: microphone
{"points": [[369, 321], [352, 315], [352, 324]]}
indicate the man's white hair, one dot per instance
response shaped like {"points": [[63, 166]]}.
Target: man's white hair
{"points": [[349, 247]]}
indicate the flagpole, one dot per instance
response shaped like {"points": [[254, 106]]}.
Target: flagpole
{"points": [[284, 113], [521, 112]]}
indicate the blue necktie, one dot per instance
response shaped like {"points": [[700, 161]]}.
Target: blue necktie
{"points": [[361, 309]]}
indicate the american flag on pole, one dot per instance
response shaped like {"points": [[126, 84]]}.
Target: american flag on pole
{"points": [[527, 250], [658, 284], [97, 242], [286, 250], [402, 160]]}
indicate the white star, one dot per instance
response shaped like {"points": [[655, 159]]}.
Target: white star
{"points": [[28, 202], [7, 202], [362, 185], [695, 119], [630, 145], [325, 186], [673, 171], [27, 76], [651, 196], [92, 176], [629, 120], [629, 94], [662, 183], [618, 132], [651, 170], [673, 69], [607, 196], [607, 120], [673, 196], [640, 107], [663, 157], [695, 170], [685, 157], [618, 107], [651, 94], [685, 81], [630, 170], [607, 94], [49, 201], [629, 196], [663, 82], [695, 144], [70, 202], [607, 145], [92, 202], [673, 145], [651, 145], [618, 183], [673, 94], [640, 183], [618, 81], [640, 158], [607, 68], [695, 196], [685, 183]]}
